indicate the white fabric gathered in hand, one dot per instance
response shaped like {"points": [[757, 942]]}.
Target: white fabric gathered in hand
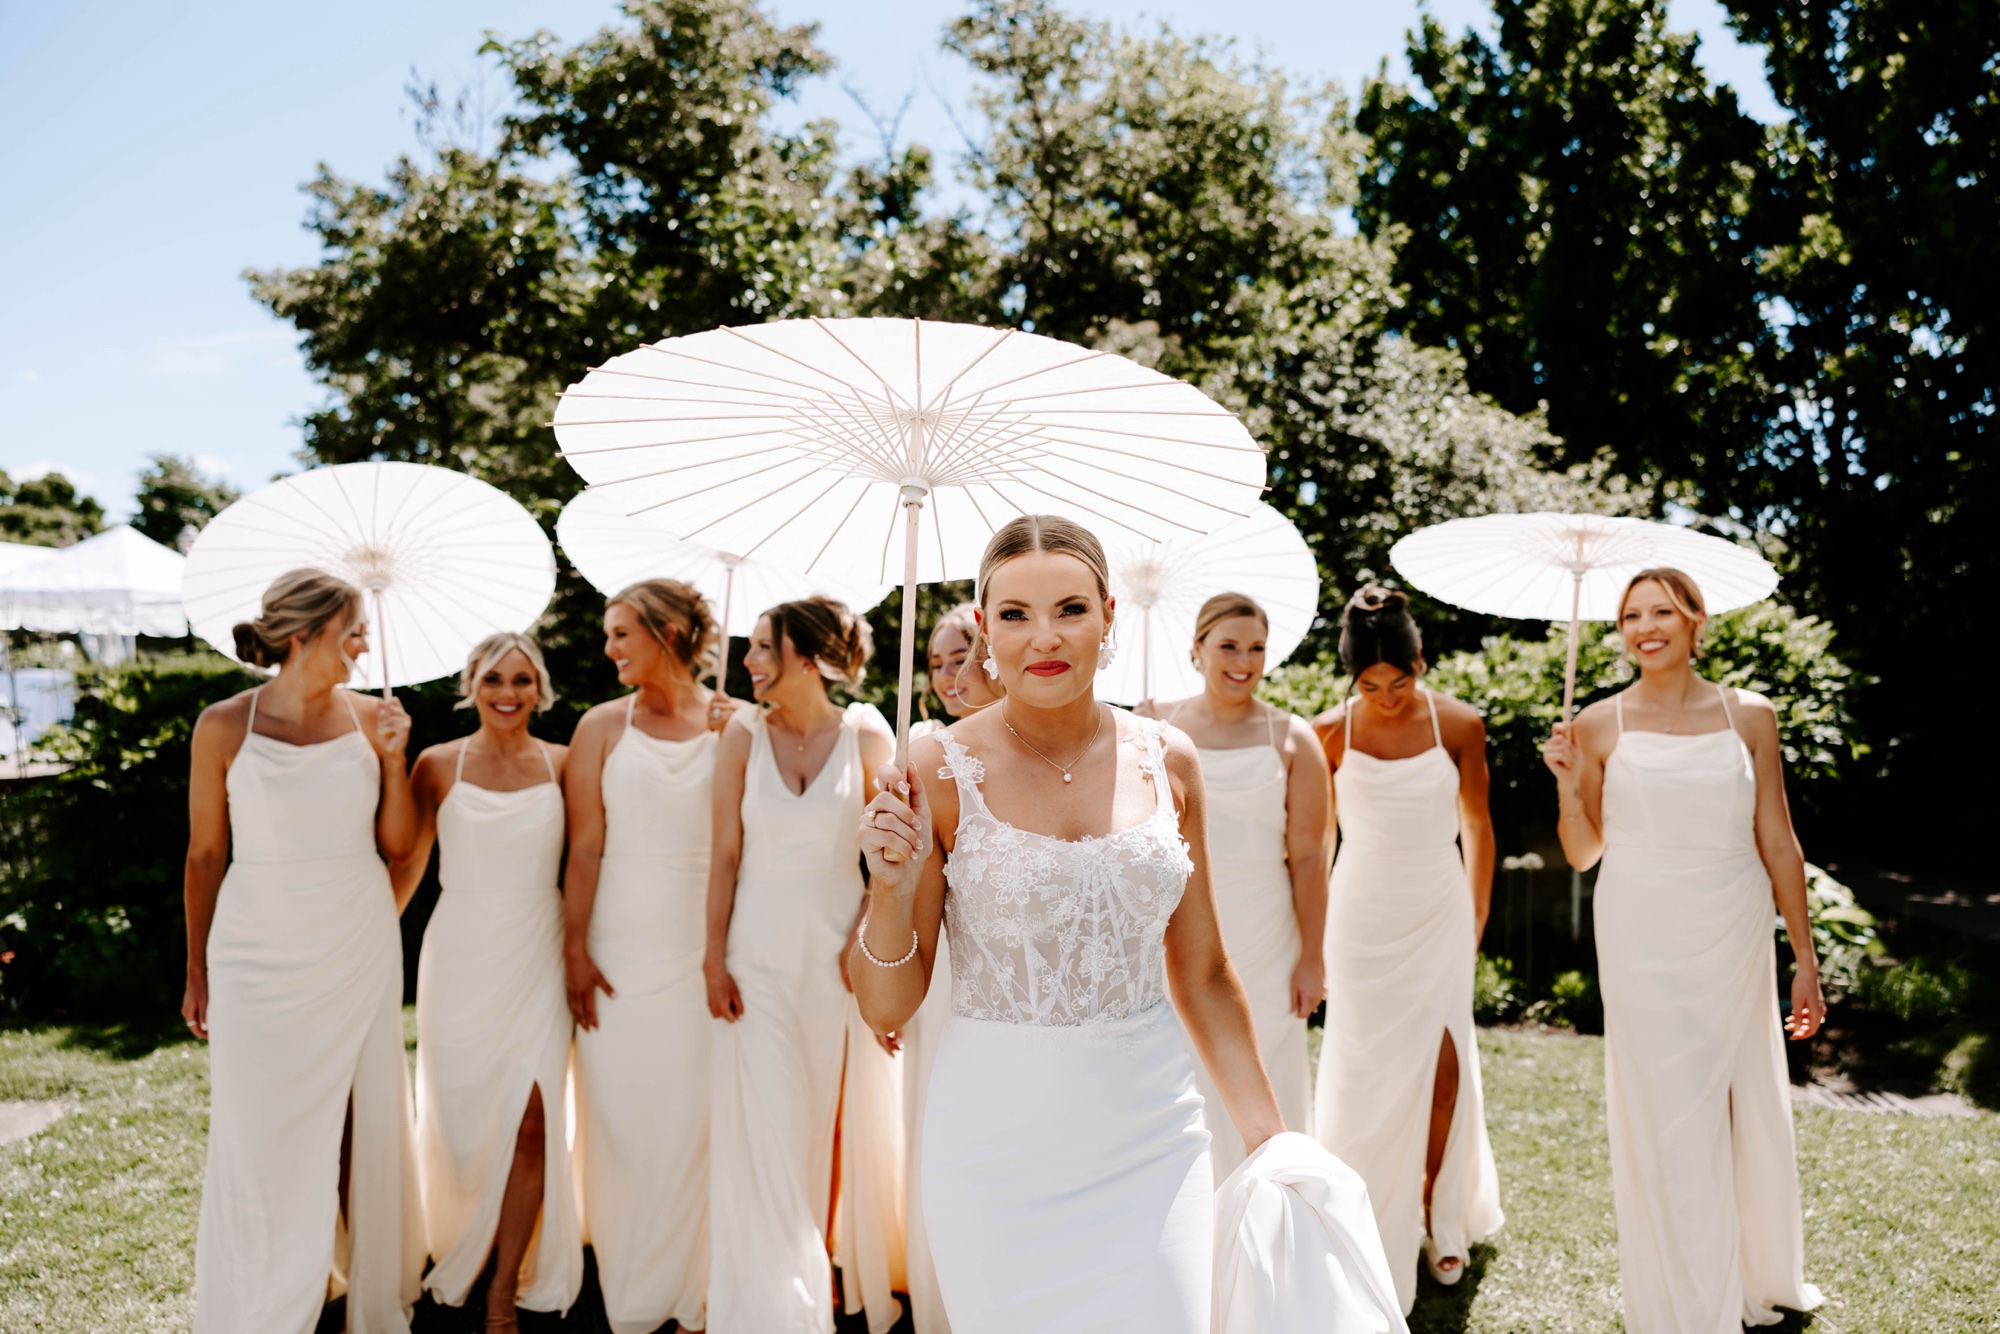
{"points": [[1296, 1248]]}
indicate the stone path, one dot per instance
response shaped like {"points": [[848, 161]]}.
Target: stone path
{"points": [[1857, 1100]]}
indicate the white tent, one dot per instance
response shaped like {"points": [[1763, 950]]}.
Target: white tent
{"points": [[19, 555], [119, 582]]}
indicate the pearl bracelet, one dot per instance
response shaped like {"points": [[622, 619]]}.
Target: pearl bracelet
{"points": [[861, 938]]}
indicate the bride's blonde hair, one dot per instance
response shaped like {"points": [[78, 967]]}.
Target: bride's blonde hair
{"points": [[1044, 532]]}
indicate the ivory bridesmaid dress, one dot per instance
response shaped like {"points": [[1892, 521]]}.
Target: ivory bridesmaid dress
{"points": [[1703, 1170], [1260, 926], [778, 1069], [642, 1094], [305, 999], [1400, 953], [493, 1024]]}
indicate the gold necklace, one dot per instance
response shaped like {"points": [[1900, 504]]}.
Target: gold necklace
{"points": [[1065, 768], [809, 733]]}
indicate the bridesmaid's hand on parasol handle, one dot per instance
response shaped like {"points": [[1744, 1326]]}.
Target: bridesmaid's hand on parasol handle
{"points": [[721, 708], [392, 727], [1808, 1005], [583, 981], [1559, 752], [896, 831], [724, 1000]]}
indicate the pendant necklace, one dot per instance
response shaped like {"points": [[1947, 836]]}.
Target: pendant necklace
{"points": [[1064, 768]]}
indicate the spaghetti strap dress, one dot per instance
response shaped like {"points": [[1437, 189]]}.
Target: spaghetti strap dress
{"points": [[778, 1069], [642, 1095], [921, 1039], [1703, 1170], [305, 973], [1260, 926], [493, 1025], [1400, 954]]}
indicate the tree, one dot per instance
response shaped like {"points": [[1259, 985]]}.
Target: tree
{"points": [[175, 501], [1570, 206], [46, 511]]}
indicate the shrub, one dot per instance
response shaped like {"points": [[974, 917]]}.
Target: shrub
{"points": [[1496, 995], [1573, 1002], [90, 890], [1844, 933], [1917, 990]]}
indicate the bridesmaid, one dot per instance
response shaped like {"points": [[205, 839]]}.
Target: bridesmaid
{"points": [[637, 785], [493, 1025], [784, 897], [963, 688], [295, 974], [1678, 784], [1399, 1094], [1267, 839]]}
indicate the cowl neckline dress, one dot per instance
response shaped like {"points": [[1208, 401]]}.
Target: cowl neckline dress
{"points": [[1246, 787], [642, 1075], [305, 969], [1400, 954], [493, 1024], [1703, 1165], [798, 1063]]}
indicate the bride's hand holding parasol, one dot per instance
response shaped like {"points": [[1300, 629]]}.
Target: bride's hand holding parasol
{"points": [[896, 832]]}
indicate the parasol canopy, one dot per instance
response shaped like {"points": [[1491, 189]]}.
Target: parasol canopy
{"points": [[443, 559], [1553, 567], [882, 450], [1160, 587], [613, 549]]}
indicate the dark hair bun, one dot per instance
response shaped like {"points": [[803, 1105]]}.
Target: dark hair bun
{"points": [[250, 646], [1377, 628]]}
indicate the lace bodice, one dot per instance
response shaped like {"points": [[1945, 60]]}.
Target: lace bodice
{"points": [[1052, 932]]}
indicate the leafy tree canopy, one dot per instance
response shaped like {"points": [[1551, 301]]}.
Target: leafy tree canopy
{"points": [[46, 511], [176, 500]]}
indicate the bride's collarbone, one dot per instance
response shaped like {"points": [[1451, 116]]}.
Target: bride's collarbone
{"points": [[1108, 794]]}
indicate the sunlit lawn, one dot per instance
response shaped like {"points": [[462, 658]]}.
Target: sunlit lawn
{"points": [[1902, 1215]]}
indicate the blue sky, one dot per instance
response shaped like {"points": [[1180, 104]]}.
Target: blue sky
{"points": [[155, 150]]}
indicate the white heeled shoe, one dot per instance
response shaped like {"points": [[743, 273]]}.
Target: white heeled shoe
{"points": [[1434, 1262]]}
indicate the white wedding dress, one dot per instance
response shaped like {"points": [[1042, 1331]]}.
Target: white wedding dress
{"points": [[642, 1090], [779, 1067], [1247, 819], [305, 974], [493, 1025], [1400, 953], [1703, 1169], [1066, 1175]]}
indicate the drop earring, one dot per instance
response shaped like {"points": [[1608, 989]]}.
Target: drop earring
{"points": [[992, 667], [1106, 651]]}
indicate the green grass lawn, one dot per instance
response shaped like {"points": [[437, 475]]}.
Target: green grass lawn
{"points": [[97, 1212]]}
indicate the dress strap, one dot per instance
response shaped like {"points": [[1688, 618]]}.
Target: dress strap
{"points": [[965, 770], [1437, 736], [1271, 729], [1618, 702], [1177, 711], [347, 697], [631, 703], [251, 728], [1347, 723], [542, 749], [1152, 748], [1727, 712], [458, 775]]}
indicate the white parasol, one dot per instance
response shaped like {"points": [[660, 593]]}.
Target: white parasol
{"points": [[613, 549], [1552, 566], [818, 444], [1160, 586], [444, 559]]}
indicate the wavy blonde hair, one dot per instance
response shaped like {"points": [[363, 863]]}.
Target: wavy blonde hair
{"points": [[486, 655]]}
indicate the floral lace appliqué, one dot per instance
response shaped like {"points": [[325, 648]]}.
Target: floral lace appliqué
{"points": [[1046, 931]]}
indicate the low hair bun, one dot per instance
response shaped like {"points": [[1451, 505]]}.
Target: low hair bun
{"points": [[248, 648], [827, 634]]}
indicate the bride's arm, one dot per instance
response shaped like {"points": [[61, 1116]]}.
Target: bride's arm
{"points": [[905, 895], [1206, 990]]}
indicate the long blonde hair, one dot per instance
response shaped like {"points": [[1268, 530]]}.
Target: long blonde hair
{"points": [[486, 654]]}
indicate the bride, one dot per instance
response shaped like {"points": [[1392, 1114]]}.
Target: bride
{"points": [[1066, 1174]]}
